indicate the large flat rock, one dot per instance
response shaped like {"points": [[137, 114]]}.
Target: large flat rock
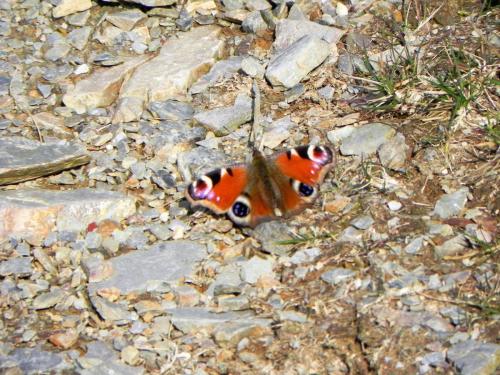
{"points": [[32, 213], [142, 270], [295, 62], [289, 31], [196, 318], [101, 88], [23, 159], [182, 60]]}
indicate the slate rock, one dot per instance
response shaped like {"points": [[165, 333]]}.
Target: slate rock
{"points": [[20, 267], [126, 19], [254, 23], [172, 110], [194, 163], [393, 153], [35, 361], [337, 275], [305, 256], [181, 61], [255, 268], [362, 222], [23, 159], [32, 213], [225, 120], [49, 299], [67, 7], [220, 70], [289, 31], [415, 245], [142, 270], [293, 64], [115, 312], [451, 204], [271, 235], [474, 358], [367, 139], [451, 247], [196, 318], [101, 88], [229, 334]]}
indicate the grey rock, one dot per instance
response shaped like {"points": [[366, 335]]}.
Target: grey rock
{"points": [[292, 316], [4, 84], [415, 245], [225, 120], [392, 154], [434, 359], [96, 269], [294, 93], [46, 300], [252, 67], [254, 23], [326, 93], [152, 3], [126, 19], [305, 256], [474, 358], [270, 234], [277, 132], [57, 50], [293, 64], [456, 314], [100, 359], [115, 312], [451, 204], [196, 318], [79, 38], [172, 134], [78, 19], [351, 234], [362, 222], [20, 267], [253, 269], [296, 13], [198, 161], [336, 136], [172, 110], [452, 246], [32, 213], [35, 361], [231, 333], [231, 303], [141, 270], [23, 159], [185, 21], [93, 240], [228, 278], [367, 139], [223, 69], [337, 275], [233, 4], [289, 31]]}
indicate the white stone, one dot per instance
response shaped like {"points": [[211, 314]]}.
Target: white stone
{"points": [[67, 7]]}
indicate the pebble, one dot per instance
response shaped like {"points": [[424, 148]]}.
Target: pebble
{"points": [[451, 204], [50, 299], [394, 205], [367, 139], [473, 357], [256, 268], [362, 222], [20, 267], [337, 275], [415, 245], [451, 247]]}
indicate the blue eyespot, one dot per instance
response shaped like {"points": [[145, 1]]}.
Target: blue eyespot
{"points": [[240, 209], [306, 190]]}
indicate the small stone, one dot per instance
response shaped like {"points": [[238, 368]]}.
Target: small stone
{"points": [[225, 120], [326, 93], [294, 63], [230, 303], [79, 38], [126, 19], [254, 23], [255, 268], [277, 132], [130, 355], [20, 267], [362, 222], [337, 275], [273, 236], [393, 153], [67, 7], [472, 357], [415, 245], [367, 139], [394, 205], [305, 256], [451, 247], [341, 10], [288, 31], [115, 312], [46, 300], [252, 67], [451, 204], [64, 340], [187, 296], [96, 269], [351, 234], [172, 110]]}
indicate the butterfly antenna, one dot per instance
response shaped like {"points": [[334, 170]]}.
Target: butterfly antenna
{"points": [[256, 131]]}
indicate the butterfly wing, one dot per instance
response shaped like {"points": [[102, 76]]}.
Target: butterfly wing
{"points": [[305, 168], [218, 189]]}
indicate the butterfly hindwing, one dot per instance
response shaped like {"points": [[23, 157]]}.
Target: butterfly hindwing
{"points": [[218, 189]]}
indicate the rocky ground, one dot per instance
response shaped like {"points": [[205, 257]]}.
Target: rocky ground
{"points": [[109, 108]]}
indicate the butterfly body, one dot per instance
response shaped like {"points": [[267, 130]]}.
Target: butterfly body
{"points": [[267, 188]]}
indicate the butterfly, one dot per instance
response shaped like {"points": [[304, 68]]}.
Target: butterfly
{"points": [[267, 188]]}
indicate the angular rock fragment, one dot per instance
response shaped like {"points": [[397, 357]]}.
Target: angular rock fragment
{"points": [[142, 270], [32, 213], [196, 318], [182, 60], [23, 159], [289, 31], [294, 63], [67, 7], [223, 121], [393, 153], [101, 88], [366, 139], [451, 204]]}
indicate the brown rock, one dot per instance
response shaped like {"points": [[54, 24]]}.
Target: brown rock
{"points": [[65, 339]]}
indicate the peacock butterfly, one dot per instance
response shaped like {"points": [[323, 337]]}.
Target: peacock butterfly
{"points": [[267, 188]]}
